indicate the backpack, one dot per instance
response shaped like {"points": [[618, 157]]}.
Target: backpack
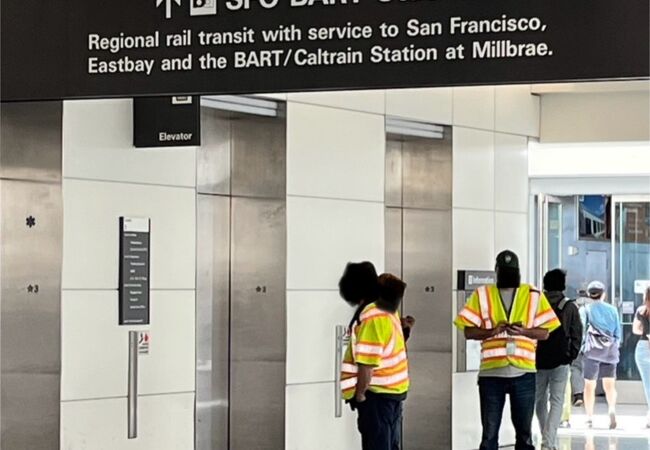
{"points": [[557, 349], [600, 346]]}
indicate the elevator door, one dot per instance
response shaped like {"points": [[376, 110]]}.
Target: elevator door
{"points": [[418, 247], [241, 288], [31, 239]]}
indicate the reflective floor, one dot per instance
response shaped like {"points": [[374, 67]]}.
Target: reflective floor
{"points": [[603, 443], [631, 433]]}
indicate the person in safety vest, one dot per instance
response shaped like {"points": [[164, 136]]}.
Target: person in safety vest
{"points": [[375, 377], [508, 318]]}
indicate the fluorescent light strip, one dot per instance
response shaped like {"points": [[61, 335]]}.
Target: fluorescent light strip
{"points": [[413, 128], [246, 105]]}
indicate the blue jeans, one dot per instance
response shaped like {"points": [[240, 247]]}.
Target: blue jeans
{"points": [[642, 357], [492, 392], [380, 422]]}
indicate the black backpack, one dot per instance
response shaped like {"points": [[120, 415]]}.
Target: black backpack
{"points": [[557, 349]]}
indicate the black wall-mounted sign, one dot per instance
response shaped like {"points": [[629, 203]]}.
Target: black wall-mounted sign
{"points": [[79, 48], [134, 271], [166, 121], [469, 280]]}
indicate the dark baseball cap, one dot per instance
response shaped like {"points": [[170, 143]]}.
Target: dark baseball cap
{"points": [[507, 258]]}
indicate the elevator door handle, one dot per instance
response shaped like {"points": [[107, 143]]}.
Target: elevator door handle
{"points": [[133, 385], [341, 341]]}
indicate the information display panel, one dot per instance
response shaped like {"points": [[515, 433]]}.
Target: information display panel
{"points": [[134, 271]]}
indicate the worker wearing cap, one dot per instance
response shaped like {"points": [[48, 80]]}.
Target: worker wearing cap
{"points": [[601, 350], [508, 318]]}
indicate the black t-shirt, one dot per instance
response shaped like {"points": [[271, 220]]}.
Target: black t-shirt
{"points": [[645, 323]]}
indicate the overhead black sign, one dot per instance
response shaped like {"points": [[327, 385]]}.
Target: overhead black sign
{"points": [[134, 271], [166, 121], [469, 280], [82, 48]]}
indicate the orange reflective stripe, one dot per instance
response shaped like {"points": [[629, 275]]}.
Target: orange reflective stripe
{"points": [[389, 380], [400, 368], [544, 317], [490, 305], [471, 317], [393, 360], [486, 309], [365, 349], [349, 383], [533, 304], [371, 312]]}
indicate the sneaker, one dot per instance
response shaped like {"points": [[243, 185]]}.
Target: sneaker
{"points": [[612, 421], [590, 423], [565, 424], [578, 400]]}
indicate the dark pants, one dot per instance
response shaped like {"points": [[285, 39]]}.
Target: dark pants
{"points": [[493, 391], [380, 422]]}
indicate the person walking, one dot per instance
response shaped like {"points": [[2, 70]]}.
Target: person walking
{"points": [[577, 379], [554, 357], [375, 379], [601, 350], [641, 327], [508, 318]]}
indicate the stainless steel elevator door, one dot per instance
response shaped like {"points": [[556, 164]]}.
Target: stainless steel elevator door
{"points": [[212, 322], [427, 271], [241, 283], [259, 160], [426, 173], [32, 136], [213, 165], [31, 240], [418, 246], [258, 324]]}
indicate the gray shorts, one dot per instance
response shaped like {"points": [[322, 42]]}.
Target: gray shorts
{"points": [[593, 370]]}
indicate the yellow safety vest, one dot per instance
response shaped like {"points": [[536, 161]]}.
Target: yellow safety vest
{"points": [[484, 309], [377, 341]]}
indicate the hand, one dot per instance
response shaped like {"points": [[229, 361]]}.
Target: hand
{"points": [[517, 330], [500, 328], [408, 322], [360, 397]]}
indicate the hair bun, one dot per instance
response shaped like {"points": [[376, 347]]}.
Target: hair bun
{"points": [[391, 291]]}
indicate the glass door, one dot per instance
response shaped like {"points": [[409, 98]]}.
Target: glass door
{"points": [[631, 269], [550, 234]]}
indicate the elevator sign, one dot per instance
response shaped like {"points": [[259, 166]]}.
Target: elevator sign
{"points": [[91, 48], [134, 271]]}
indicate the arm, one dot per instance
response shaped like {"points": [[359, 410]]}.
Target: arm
{"points": [[539, 334], [408, 323], [363, 382], [637, 326], [576, 332]]}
